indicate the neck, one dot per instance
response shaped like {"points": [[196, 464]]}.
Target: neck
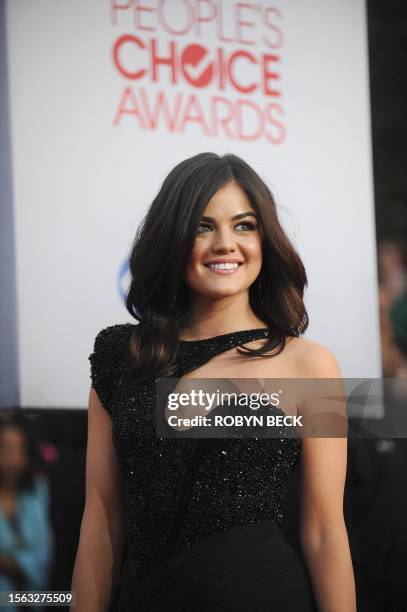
{"points": [[212, 317]]}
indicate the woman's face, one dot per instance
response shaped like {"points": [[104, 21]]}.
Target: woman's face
{"points": [[13, 453], [227, 257]]}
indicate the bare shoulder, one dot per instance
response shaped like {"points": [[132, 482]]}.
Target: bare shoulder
{"points": [[313, 360]]}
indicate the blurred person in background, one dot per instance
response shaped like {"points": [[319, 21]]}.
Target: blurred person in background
{"points": [[376, 497], [393, 309], [25, 535]]}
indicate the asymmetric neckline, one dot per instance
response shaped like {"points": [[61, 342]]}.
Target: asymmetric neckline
{"points": [[237, 334], [166, 481]]}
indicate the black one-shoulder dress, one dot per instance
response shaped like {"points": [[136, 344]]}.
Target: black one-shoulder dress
{"points": [[204, 516]]}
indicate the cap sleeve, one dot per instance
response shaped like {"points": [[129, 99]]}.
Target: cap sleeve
{"points": [[103, 363]]}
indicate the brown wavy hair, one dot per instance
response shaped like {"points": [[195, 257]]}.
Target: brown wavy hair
{"points": [[158, 296]]}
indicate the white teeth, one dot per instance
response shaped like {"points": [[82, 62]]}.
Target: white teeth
{"points": [[224, 266]]}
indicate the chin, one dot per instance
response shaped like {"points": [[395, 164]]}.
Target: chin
{"points": [[216, 295]]}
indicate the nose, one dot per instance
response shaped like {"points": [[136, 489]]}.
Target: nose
{"points": [[223, 241]]}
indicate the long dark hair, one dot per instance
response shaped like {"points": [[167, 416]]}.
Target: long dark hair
{"points": [[158, 297]]}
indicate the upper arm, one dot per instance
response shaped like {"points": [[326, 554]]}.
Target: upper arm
{"points": [[102, 470], [322, 481], [323, 459]]}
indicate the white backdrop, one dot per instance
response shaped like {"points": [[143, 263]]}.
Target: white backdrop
{"points": [[97, 121]]}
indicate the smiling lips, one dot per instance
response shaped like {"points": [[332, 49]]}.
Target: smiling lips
{"points": [[224, 267]]}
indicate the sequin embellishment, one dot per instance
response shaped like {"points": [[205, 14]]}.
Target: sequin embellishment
{"points": [[178, 491]]}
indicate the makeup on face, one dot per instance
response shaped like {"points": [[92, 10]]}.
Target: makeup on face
{"points": [[227, 244]]}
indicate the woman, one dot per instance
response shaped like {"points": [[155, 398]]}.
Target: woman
{"points": [[212, 270], [25, 535]]}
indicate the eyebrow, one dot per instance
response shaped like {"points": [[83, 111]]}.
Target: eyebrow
{"points": [[239, 216]]}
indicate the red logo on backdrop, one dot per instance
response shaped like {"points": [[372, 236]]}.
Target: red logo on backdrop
{"points": [[195, 66], [232, 89]]}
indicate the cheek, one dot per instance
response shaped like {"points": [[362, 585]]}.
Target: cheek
{"points": [[195, 260], [197, 255], [252, 248]]}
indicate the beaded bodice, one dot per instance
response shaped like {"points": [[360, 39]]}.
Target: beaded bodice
{"points": [[178, 491]]}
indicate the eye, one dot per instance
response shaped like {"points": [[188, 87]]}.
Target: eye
{"points": [[203, 225], [247, 225]]}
